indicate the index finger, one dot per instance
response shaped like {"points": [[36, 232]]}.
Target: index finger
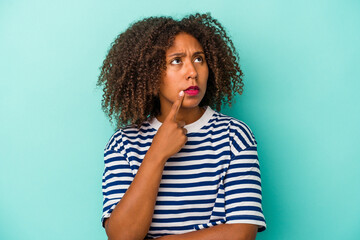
{"points": [[176, 106], [180, 103]]}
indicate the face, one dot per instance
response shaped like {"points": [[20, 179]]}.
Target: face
{"points": [[186, 70]]}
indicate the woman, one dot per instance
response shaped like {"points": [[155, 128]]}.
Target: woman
{"points": [[175, 168]]}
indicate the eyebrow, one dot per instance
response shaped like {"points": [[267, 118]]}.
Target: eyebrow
{"points": [[183, 54]]}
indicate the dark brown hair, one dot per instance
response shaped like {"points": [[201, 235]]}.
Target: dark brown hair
{"points": [[131, 72]]}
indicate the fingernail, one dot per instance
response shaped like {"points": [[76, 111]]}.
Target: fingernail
{"points": [[181, 93]]}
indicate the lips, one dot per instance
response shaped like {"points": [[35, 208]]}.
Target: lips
{"points": [[192, 90]]}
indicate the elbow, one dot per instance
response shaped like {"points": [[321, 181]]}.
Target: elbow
{"points": [[124, 237], [123, 234], [242, 231], [122, 231]]}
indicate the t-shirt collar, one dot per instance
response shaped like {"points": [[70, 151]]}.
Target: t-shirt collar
{"points": [[192, 127]]}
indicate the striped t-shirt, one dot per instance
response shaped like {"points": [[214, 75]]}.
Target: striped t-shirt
{"points": [[214, 179]]}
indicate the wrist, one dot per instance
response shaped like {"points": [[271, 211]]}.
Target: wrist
{"points": [[156, 156]]}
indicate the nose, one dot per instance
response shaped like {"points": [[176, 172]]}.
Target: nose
{"points": [[191, 72]]}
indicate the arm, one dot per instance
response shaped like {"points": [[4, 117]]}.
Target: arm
{"points": [[238, 231], [131, 218]]}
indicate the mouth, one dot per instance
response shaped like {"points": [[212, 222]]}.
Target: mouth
{"points": [[192, 90]]}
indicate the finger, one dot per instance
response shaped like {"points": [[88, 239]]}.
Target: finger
{"points": [[185, 131], [176, 106], [181, 95], [181, 123]]}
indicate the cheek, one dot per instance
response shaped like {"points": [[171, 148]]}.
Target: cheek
{"points": [[172, 80], [168, 87]]}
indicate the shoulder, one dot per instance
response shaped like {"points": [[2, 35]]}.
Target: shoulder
{"points": [[130, 132], [239, 132]]}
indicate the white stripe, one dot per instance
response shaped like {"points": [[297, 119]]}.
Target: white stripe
{"points": [[186, 198], [174, 232], [188, 189], [177, 224], [245, 203], [241, 195], [181, 215], [243, 186], [243, 170], [191, 180], [249, 221], [121, 187], [114, 179], [185, 206], [237, 213]]}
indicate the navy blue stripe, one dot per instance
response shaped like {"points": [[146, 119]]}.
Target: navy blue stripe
{"points": [[244, 208], [185, 202], [118, 183], [219, 205], [117, 158], [244, 165], [243, 199], [211, 132], [243, 217], [218, 214], [115, 191], [183, 194], [238, 174], [179, 219], [185, 228], [176, 211]]}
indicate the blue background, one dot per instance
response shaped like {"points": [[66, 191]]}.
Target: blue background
{"points": [[301, 63]]}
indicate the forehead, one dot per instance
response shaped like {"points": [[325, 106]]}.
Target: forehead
{"points": [[184, 42]]}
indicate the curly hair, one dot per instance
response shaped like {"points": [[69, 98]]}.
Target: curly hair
{"points": [[131, 72]]}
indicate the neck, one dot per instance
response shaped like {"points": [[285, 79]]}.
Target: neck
{"points": [[187, 115]]}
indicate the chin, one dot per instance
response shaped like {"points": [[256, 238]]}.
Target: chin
{"points": [[190, 104]]}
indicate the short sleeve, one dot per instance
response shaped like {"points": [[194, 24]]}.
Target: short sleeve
{"points": [[117, 176], [242, 183]]}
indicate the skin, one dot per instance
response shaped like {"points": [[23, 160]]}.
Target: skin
{"points": [[132, 216], [185, 66]]}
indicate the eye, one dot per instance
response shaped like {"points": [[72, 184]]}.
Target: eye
{"points": [[175, 61], [199, 59]]}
